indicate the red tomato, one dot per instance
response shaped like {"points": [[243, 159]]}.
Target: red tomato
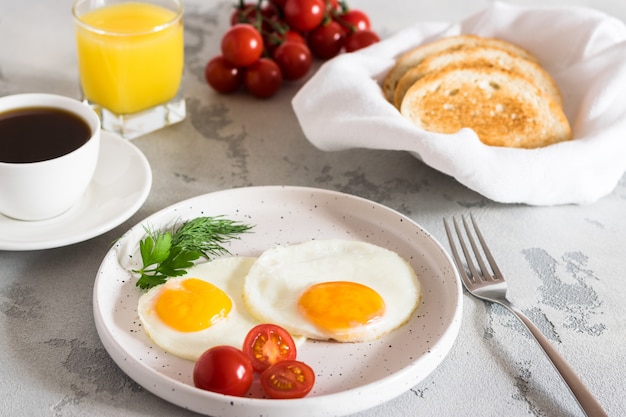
{"points": [[242, 45], [273, 40], [293, 36], [243, 13], [354, 20], [332, 4], [294, 59], [266, 344], [225, 370], [326, 41], [288, 379], [304, 15], [223, 76], [360, 39], [263, 78]]}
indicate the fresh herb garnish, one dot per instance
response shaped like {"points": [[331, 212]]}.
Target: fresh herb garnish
{"points": [[169, 253]]}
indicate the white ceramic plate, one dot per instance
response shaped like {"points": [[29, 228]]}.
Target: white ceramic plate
{"points": [[120, 186], [349, 376]]}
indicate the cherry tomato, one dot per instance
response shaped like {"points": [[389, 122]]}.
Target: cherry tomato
{"points": [[251, 13], [360, 39], [294, 59], [288, 379], [304, 15], [326, 41], [332, 5], [223, 369], [293, 36], [223, 76], [273, 40], [354, 20], [242, 45], [263, 78], [267, 344], [244, 13]]}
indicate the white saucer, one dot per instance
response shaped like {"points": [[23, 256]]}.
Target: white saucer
{"points": [[120, 186]]}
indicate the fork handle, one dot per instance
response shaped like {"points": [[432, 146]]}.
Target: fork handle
{"points": [[586, 400]]}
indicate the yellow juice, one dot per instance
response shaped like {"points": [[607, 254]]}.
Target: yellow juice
{"points": [[130, 56]]}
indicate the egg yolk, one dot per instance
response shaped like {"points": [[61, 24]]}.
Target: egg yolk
{"points": [[340, 305], [192, 306]]}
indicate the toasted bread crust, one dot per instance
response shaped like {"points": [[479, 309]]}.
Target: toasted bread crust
{"points": [[416, 55], [501, 106], [481, 56]]}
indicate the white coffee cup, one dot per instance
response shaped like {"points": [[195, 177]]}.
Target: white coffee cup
{"points": [[46, 189]]}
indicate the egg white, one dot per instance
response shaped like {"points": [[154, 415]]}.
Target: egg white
{"points": [[281, 274], [228, 274]]}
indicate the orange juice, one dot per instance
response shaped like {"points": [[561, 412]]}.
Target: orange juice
{"points": [[130, 56]]}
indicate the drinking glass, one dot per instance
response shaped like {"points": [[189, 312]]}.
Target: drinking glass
{"points": [[130, 62]]}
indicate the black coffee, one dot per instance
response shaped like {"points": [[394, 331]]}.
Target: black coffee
{"points": [[34, 134]]}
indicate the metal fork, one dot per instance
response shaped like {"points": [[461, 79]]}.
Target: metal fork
{"points": [[491, 286]]}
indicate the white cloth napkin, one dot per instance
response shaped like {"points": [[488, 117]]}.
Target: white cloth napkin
{"points": [[342, 106]]}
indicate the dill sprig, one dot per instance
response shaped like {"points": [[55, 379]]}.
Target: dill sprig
{"points": [[170, 253]]}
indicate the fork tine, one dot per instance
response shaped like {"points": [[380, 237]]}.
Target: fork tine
{"points": [[490, 258], [468, 258], [455, 253], [485, 273]]}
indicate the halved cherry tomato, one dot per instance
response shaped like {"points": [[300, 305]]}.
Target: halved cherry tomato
{"points": [[288, 379], [223, 369], [242, 45], [267, 344]]}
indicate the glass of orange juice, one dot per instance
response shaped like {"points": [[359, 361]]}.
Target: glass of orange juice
{"points": [[130, 62]]}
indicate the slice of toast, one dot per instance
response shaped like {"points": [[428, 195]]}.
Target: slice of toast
{"points": [[416, 55], [479, 56], [502, 107]]}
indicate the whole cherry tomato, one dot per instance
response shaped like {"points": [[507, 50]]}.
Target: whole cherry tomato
{"points": [[267, 344], [294, 59], [354, 20], [223, 76], [360, 39], [293, 36], [223, 369], [242, 45], [288, 379], [332, 5], [304, 15], [263, 78], [243, 13], [326, 41], [273, 40]]}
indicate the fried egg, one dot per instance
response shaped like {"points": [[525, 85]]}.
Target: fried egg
{"points": [[342, 290], [187, 315]]}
